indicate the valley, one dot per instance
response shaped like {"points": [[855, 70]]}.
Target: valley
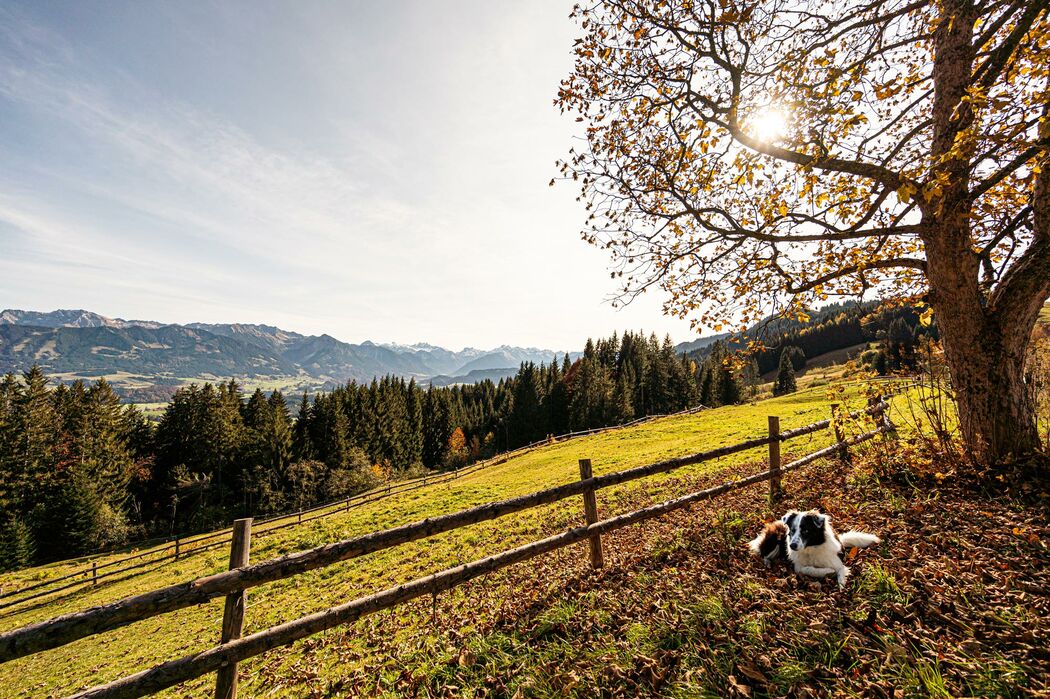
{"points": [[147, 361]]}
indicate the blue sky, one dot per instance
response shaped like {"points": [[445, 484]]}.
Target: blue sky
{"points": [[371, 170]]}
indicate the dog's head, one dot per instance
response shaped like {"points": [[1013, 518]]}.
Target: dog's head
{"points": [[806, 529]]}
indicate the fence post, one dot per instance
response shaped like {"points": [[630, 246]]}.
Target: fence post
{"points": [[233, 614], [176, 548], [836, 411], [300, 516], [775, 491], [590, 511], [94, 572], [348, 504], [883, 419]]}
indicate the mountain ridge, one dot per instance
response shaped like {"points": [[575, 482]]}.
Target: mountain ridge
{"points": [[75, 341]]}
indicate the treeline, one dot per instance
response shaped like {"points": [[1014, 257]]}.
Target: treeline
{"points": [[80, 472], [895, 329], [72, 460]]}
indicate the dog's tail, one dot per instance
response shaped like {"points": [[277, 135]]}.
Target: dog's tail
{"points": [[858, 539], [756, 544]]}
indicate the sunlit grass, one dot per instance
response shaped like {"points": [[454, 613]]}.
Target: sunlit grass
{"points": [[95, 660]]}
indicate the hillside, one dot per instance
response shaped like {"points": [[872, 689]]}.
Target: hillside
{"points": [[473, 376], [94, 660], [145, 360], [826, 332]]}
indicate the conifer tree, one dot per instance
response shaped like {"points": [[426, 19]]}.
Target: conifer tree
{"points": [[707, 392], [106, 459], [557, 402], [528, 421], [302, 444], [437, 427], [785, 381], [413, 424], [624, 403], [17, 549], [275, 435], [729, 385], [37, 431], [328, 431], [10, 392]]}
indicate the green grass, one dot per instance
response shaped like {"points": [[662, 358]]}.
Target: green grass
{"points": [[106, 657], [879, 585]]}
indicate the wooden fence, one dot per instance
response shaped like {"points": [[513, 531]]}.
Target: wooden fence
{"points": [[92, 573], [233, 583]]}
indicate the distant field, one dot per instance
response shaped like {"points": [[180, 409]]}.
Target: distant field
{"points": [[106, 657], [126, 383], [152, 410]]}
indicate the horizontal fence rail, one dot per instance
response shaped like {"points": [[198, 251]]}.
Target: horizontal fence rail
{"points": [[233, 583], [180, 547]]}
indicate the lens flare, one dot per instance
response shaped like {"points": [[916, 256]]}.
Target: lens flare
{"points": [[769, 124]]}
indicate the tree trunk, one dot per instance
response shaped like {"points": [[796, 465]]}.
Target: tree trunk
{"points": [[995, 406], [985, 337]]}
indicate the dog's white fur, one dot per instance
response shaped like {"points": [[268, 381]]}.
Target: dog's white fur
{"points": [[818, 561]]}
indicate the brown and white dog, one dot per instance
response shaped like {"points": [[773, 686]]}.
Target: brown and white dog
{"points": [[808, 542]]}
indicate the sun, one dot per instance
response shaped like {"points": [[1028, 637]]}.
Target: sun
{"points": [[769, 124]]}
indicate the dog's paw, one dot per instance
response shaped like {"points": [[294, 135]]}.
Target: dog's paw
{"points": [[843, 574]]}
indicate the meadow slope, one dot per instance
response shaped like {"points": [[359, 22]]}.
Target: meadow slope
{"points": [[95, 660]]}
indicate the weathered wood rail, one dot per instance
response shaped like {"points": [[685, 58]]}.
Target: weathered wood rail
{"points": [[232, 584]]}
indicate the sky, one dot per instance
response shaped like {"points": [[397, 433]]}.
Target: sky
{"points": [[371, 170]]}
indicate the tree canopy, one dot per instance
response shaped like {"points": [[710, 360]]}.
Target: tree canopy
{"points": [[760, 157]]}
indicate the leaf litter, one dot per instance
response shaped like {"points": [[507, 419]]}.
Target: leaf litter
{"points": [[953, 603]]}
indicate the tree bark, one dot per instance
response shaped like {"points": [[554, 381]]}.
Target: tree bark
{"points": [[985, 337], [996, 410]]}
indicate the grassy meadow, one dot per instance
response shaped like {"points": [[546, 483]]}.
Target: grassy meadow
{"points": [[95, 660]]}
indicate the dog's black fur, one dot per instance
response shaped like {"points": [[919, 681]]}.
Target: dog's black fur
{"points": [[811, 530]]}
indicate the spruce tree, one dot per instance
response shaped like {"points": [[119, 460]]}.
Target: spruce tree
{"points": [[785, 381], [437, 427], [528, 421], [302, 443], [623, 399], [106, 457], [37, 433], [17, 549], [329, 430], [413, 424], [10, 393]]}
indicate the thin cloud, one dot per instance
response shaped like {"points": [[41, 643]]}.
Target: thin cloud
{"points": [[419, 211]]}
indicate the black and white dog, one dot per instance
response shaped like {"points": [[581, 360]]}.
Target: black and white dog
{"points": [[808, 542]]}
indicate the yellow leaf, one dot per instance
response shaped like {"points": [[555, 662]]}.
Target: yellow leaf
{"points": [[926, 317], [905, 192]]}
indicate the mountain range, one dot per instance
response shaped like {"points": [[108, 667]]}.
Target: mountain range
{"points": [[79, 343]]}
